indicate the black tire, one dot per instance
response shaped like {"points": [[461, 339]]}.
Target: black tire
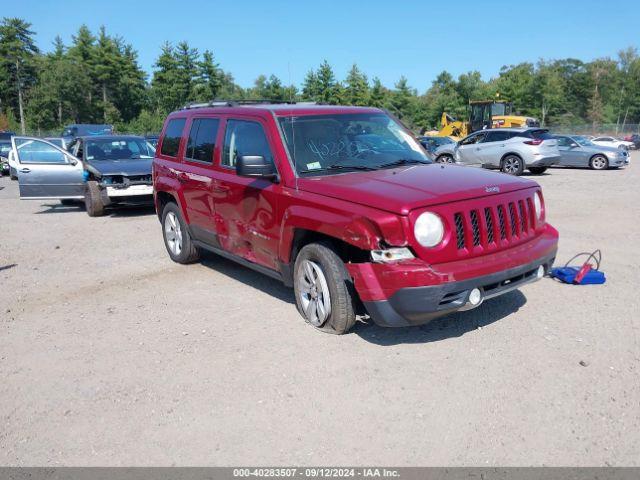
{"points": [[512, 165], [188, 253], [92, 200], [537, 170], [341, 293], [445, 158], [599, 162]]}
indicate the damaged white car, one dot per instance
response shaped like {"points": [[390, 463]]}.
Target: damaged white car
{"points": [[104, 171]]}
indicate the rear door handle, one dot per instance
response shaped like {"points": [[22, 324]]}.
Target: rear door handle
{"points": [[183, 177], [25, 170]]}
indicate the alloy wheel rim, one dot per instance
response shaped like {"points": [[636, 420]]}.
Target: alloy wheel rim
{"points": [[598, 162], [173, 233], [511, 165], [314, 293]]}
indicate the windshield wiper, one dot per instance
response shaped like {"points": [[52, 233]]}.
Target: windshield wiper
{"points": [[339, 167], [402, 161]]}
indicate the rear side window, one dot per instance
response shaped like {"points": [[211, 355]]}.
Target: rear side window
{"points": [[171, 140], [202, 139], [244, 138], [498, 136], [537, 134]]}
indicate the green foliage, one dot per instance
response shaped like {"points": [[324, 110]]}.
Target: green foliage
{"points": [[97, 78]]}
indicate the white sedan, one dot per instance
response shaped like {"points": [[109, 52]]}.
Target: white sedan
{"points": [[612, 142]]}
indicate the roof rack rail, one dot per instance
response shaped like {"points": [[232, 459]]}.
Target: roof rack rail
{"points": [[233, 103]]}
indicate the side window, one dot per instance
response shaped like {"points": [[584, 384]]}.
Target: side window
{"points": [[202, 139], [564, 141], [36, 151], [171, 140], [470, 140], [497, 137], [244, 138]]}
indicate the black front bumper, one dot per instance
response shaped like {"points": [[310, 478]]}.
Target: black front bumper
{"points": [[419, 305]]}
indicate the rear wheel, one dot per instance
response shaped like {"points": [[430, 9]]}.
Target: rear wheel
{"points": [[92, 200], [512, 164], [323, 289], [445, 158], [176, 236], [599, 162], [537, 170]]}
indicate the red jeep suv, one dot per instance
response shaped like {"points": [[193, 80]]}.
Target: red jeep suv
{"points": [[343, 204]]}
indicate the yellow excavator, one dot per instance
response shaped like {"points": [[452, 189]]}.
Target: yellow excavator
{"points": [[484, 114]]}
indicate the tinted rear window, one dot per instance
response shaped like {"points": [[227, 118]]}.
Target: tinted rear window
{"points": [[171, 140], [498, 136], [202, 139], [538, 134]]}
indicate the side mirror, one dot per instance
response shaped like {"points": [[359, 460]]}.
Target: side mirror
{"points": [[573, 145], [255, 166], [71, 160]]}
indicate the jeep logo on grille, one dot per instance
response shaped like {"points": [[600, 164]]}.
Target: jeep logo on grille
{"points": [[494, 189]]}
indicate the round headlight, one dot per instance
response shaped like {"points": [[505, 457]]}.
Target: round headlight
{"points": [[537, 202], [429, 229]]}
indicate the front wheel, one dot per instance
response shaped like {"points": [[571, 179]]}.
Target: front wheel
{"points": [[445, 158], [512, 164], [537, 170], [92, 200], [323, 289], [599, 162]]}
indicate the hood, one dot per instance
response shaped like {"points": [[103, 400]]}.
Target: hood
{"points": [[138, 166], [400, 190]]}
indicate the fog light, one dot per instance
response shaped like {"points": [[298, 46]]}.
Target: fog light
{"points": [[540, 272], [475, 297]]}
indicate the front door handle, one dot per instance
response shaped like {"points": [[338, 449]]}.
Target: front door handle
{"points": [[183, 177], [25, 170]]}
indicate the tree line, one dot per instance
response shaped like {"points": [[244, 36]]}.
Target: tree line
{"points": [[97, 79]]}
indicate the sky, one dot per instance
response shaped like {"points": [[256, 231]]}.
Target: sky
{"points": [[387, 39]]}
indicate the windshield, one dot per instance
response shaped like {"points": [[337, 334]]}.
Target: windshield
{"points": [[118, 149], [498, 109], [56, 141], [329, 143], [584, 141], [5, 148]]}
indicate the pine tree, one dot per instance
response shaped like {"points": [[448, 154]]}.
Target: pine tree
{"points": [[310, 87], [379, 94], [326, 84], [357, 87], [209, 80], [164, 80], [17, 64]]}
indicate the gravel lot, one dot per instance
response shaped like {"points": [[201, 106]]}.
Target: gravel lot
{"points": [[110, 354]]}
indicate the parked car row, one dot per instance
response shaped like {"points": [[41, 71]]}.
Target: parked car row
{"points": [[514, 150], [340, 203]]}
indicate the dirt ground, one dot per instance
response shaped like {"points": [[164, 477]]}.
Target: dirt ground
{"points": [[110, 354]]}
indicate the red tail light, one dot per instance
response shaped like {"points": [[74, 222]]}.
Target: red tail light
{"points": [[536, 141]]}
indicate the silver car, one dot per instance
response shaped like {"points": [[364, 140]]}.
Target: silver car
{"points": [[579, 151], [512, 150]]}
